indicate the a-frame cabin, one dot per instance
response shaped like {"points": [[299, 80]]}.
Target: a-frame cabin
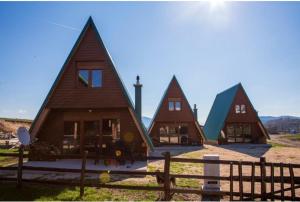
{"points": [[88, 106], [233, 119], [174, 122]]}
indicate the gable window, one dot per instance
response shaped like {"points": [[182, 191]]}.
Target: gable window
{"points": [[83, 78], [237, 109], [243, 109], [174, 104], [171, 106], [96, 78], [177, 105], [90, 78]]}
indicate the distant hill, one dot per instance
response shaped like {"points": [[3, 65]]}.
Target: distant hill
{"points": [[146, 121], [265, 119], [9, 125], [281, 124]]}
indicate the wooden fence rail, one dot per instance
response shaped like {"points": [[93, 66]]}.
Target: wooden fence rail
{"points": [[287, 183]]}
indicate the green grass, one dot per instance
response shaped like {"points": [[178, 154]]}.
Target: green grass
{"points": [[277, 145], [8, 160], [5, 161], [293, 137], [31, 192], [15, 150]]}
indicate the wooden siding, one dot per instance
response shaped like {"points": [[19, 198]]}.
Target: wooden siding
{"points": [[69, 95], [52, 129], [185, 115], [250, 117], [194, 135]]}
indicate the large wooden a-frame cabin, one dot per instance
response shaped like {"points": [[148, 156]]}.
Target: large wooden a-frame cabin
{"points": [[233, 119], [88, 107], [174, 122]]}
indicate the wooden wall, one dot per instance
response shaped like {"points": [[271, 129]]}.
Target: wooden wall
{"points": [[249, 117], [185, 115], [52, 129], [69, 95]]}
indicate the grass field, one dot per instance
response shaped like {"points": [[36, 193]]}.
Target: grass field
{"points": [[5, 161]]}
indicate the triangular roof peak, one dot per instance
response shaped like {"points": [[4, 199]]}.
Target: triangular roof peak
{"points": [[220, 110], [172, 82], [89, 24]]}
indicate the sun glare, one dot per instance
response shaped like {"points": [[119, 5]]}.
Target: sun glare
{"points": [[216, 4]]}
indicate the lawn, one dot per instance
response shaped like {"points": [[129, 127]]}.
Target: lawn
{"points": [[294, 137], [5, 161], [32, 192]]}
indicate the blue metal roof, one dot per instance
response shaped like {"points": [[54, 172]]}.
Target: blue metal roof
{"points": [[218, 113]]}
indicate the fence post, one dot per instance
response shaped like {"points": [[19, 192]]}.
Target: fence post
{"points": [[272, 182], [20, 166], [292, 182], [263, 175], [241, 180], [167, 195], [252, 180], [82, 173], [231, 181], [281, 182]]}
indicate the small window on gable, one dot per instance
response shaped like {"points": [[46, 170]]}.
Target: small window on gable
{"points": [[83, 78], [177, 105], [171, 106], [237, 109], [243, 109], [96, 78], [90, 78]]}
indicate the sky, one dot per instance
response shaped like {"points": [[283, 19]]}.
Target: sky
{"points": [[208, 46]]}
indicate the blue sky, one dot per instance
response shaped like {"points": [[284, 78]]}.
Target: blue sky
{"points": [[208, 47]]}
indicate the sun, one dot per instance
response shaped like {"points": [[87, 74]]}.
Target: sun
{"points": [[216, 4]]}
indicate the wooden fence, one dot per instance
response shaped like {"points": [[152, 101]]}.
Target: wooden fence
{"points": [[287, 191]]}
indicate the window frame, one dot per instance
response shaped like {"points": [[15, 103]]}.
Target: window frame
{"points": [[243, 109], [237, 109], [90, 77], [180, 105], [173, 106]]}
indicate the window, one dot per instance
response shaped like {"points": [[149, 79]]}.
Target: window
{"points": [[171, 106], [174, 105], [177, 105], [96, 78], [173, 133], [243, 109], [111, 128], [90, 78], [239, 133], [237, 109], [83, 78], [71, 139]]}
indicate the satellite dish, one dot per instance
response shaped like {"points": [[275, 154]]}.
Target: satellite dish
{"points": [[23, 136]]}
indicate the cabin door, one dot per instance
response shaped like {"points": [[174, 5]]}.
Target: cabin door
{"points": [[91, 135]]}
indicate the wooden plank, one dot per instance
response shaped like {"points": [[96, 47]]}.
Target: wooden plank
{"points": [[167, 195], [252, 181], [83, 165], [262, 175], [272, 182], [281, 183], [20, 165], [241, 181], [231, 181], [292, 182]]}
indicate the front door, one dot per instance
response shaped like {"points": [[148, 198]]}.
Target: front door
{"points": [[91, 133]]}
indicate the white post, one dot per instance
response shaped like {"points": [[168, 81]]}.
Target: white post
{"points": [[211, 170]]}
